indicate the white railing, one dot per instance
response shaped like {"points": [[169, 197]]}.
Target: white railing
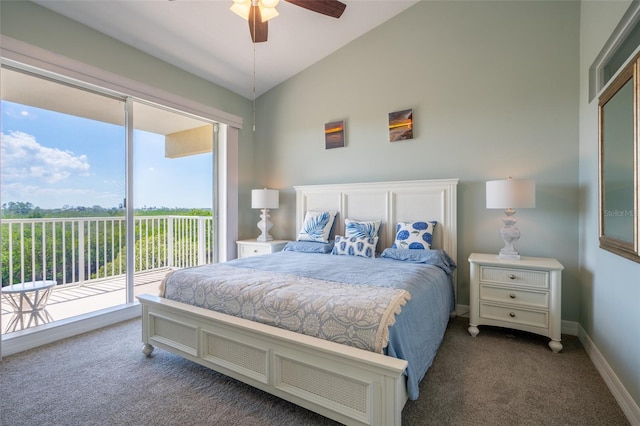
{"points": [[75, 250]]}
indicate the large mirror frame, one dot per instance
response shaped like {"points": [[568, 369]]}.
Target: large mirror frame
{"points": [[618, 116]]}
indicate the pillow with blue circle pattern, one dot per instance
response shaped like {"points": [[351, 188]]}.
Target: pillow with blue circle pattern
{"points": [[354, 246], [414, 235]]}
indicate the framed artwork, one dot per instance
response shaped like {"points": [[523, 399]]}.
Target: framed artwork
{"points": [[401, 125], [334, 134]]}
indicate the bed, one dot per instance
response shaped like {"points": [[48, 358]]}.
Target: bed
{"points": [[352, 384]]}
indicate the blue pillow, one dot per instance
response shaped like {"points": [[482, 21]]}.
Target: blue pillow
{"points": [[354, 246], [317, 226], [414, 235], [438, 258], [361, 229], [309, 246]]}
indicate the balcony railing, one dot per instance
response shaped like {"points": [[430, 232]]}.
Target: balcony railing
{"points": [[79, 249]]}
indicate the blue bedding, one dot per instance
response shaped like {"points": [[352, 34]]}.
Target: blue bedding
{"points": [[420, 327]]}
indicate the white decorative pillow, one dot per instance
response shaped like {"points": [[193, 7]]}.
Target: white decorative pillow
{"points": [[317, 226], [414, 235], [354, 246], [361, 229]]}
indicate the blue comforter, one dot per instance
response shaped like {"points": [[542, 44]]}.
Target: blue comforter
{"points": [[420, 327]]}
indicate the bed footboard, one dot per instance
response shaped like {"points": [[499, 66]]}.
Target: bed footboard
{"points": [[349, 385]]}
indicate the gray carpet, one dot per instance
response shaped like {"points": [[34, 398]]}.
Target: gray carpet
{"points": [[501, 377]]}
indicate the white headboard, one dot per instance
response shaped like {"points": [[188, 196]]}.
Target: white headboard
{"points": [[390, 202]]}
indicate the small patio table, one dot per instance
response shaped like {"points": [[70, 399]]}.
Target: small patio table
{"points": [[29, 301]]}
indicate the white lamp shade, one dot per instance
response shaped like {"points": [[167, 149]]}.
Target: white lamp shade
{"points": [[265, 199], [511, 194]]}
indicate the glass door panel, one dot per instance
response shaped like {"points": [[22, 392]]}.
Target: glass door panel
{"points": [[62, 190], [173, 193]]}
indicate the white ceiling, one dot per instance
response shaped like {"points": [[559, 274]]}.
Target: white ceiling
{"points": [[205, 38]]}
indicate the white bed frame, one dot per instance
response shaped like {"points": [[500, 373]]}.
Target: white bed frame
{"points": [[349, 385]]}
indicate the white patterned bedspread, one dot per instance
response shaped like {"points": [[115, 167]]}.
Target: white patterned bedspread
{"points": [[354, 315]]}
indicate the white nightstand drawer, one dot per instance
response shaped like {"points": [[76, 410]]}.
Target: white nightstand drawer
{"points": [[534, 299], [248, 248], [514, 276], [253, 250], [509, 314]]}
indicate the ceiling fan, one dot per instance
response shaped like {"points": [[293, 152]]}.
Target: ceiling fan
{"points": [[258, 12]]}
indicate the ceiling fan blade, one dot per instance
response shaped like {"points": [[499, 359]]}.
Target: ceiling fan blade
{"points": [[258, 29], [333, 8]]}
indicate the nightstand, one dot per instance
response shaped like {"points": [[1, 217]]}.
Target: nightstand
{"points": [[523, 294], [248, 248]]}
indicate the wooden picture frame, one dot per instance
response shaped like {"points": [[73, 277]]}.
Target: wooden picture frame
{"points": [[619, 158]]}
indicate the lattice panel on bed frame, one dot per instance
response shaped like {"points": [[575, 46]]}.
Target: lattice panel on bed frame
{"points": [[322, 384], [249, 360], [186, 335]]}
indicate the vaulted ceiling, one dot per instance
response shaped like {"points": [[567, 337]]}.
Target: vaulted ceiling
{"points": [[205, 38]]}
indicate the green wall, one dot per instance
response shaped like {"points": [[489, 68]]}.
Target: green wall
{"points": [[609, 284], [494, 90]]}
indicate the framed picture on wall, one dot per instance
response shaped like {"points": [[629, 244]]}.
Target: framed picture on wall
{"points": [[334, 134], [401, 125]]}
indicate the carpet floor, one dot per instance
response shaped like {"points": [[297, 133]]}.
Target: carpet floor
{"points": [[501, 377]]}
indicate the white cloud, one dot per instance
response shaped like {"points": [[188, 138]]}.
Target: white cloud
{"points": [[23, 157], [17, 113]]}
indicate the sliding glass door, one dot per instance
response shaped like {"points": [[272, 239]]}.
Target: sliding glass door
{"points": [[62, 191], [172, 192], [101, 195]]}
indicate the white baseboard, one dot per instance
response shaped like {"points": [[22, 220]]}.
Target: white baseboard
{"points": [[569, 327], [620, 393], [462, 311], [48, 333]]}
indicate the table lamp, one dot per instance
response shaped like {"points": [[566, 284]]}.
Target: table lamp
{"points": [[509, 194], [264, 199]]}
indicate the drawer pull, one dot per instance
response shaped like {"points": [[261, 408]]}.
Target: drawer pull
{"points": [[512, 277], [513, 296], [512, 314]]}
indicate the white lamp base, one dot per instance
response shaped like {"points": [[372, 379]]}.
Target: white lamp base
{"points": [[510, 234], [265, 226]]}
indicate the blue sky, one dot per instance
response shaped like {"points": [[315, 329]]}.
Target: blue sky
{"points": [[51, 160]]}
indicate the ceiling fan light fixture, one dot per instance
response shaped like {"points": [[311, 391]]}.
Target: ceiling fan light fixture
{"points": [[258, 12], [268, 13], [267, 8], [241, 7], [269, 4]]}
